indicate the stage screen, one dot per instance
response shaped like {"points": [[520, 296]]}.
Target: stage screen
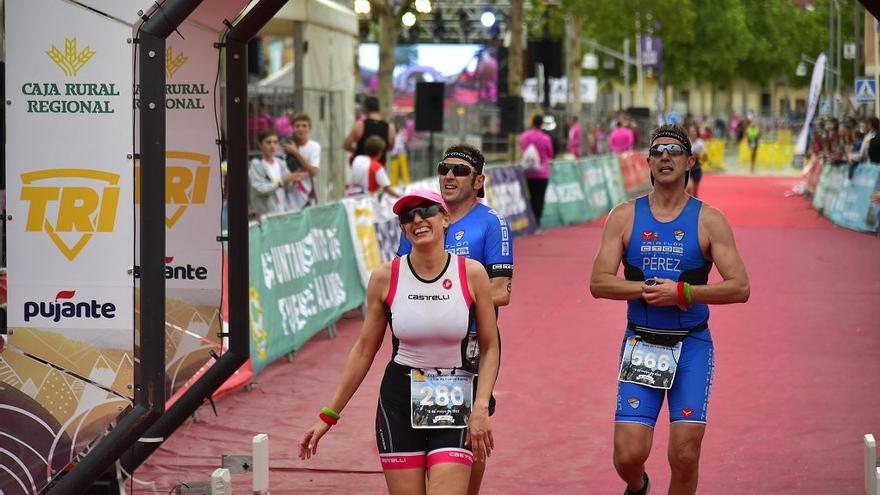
{"points": [[470, 72]]}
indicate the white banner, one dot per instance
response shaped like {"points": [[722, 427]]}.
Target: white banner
{"points": [[192, 174], [800, 146], [559, 90], [375, 231], [69, 174]]}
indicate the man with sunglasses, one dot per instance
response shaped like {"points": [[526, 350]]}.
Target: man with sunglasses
{"points": [[476, 232], [667, 241]]}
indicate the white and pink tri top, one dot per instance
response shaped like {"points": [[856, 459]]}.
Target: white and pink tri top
{"points": [[429, 318]]}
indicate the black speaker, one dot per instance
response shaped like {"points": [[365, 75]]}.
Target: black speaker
{"points": [[429, 106], [511, 108], [639, 112], [549, 53], [503, 68]]}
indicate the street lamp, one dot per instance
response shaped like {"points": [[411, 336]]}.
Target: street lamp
{"points": [[362, 7], [423, 6], [487, 19], [801, 69], [408, 19]]}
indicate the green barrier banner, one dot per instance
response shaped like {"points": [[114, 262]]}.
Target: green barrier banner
{"points": [[303, 278], [613, 180], [565, 202], [853, 203], [593, 179], [832, 180]]}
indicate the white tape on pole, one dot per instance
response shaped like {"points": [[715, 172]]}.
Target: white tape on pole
{"points": [[871, 476], [221, 482], [261, 463]]}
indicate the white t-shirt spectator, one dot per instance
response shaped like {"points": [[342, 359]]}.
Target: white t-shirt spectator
{"points": [[361, 170], [301, 191]]}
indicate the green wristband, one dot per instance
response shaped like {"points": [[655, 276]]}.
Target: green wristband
{"points": [[687, 293], [330, 412]]}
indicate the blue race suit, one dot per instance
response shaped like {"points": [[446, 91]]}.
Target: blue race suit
{"points": [[668, 250]]}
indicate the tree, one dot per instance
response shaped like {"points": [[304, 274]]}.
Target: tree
{"points": [[720, 41], [389, 14]]}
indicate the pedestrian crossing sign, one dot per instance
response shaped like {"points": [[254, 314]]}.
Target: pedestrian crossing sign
{"points": [[866, 89]]}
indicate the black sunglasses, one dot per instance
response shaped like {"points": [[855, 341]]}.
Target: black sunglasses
{"points": [[458, 169], [672, 148], [423, 211]]}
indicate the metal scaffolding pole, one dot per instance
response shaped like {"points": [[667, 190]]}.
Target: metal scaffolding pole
{"points": [[149, 391], [237, 145]]}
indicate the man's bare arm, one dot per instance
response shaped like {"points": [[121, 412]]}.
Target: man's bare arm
{"points": [[604, 282], [354, 135], [392, 135], [734, 288], [500, 289]]}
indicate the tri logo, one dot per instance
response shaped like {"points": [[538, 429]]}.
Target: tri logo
{"points": [[187, 175], [70, 205]]}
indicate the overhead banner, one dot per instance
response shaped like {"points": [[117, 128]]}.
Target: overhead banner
{"points": [[70, 230], [303, 278], [506, 194], [815, 89]]}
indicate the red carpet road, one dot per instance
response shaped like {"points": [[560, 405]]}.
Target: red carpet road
{"points": [[797, 381]]}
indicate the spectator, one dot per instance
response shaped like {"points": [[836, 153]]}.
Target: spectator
{"points": [[871, 147], [367, 172], [303, 157], [753, 134], [268, 179], [574, 137], [549, 126], [698, 150], [621, 138], [371, 125], [536, 180]]}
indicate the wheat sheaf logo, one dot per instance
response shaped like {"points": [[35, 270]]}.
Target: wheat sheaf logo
{"points": [[71, 60], [172, 63]]}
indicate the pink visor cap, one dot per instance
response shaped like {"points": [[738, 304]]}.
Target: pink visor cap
{"points": [[417, 197]]}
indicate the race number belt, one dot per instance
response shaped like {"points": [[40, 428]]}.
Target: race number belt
{"points": [[648, 364], [664, 336], [441, 398]]}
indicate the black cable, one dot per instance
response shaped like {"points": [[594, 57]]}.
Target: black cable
{"points": [[220, 144], [135, 96]]}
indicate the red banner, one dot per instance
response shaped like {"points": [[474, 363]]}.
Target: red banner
{"points": [[634, 169]]}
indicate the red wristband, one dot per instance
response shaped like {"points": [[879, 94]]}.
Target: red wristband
{"points": [[682, 301], [327, 419]]}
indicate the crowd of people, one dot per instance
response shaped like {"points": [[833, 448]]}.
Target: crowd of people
{"points": [[441, 296], [282, 178], [847, 141]]}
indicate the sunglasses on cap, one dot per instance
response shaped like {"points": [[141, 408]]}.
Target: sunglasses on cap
{"points": [[458, 169], [425, 212], [674, 149]]}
